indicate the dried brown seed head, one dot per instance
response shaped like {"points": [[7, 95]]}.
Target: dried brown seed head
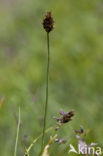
{"points": [[48, 22], [66, 117]]}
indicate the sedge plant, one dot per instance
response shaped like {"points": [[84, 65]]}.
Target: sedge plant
{"points": [[48, 24]]}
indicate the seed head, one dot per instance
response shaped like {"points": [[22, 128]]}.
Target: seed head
{"points": [[48, 22], [81, 131], [66, 117]]}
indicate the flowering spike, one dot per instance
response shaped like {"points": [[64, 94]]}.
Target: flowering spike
{"points": [[48, 22], [66, 117]]}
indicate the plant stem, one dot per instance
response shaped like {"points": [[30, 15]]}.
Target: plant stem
{"points": [[17, 135], [35, 140], [47, 79]]}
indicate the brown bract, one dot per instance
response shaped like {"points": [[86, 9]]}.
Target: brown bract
{"points": [[48, 22]]}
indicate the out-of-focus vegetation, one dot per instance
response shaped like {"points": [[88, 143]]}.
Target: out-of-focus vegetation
{"points": [[76, 70]]}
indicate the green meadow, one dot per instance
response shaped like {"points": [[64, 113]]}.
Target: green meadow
{"points": [[75, 78]]}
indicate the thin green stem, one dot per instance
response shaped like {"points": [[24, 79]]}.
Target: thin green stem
{"points": [[27, 150], [47, 79], [17, 134]]}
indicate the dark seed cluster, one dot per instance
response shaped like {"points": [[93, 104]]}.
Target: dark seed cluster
{"points": [[81, 131], [66, 117], [48, 22]]}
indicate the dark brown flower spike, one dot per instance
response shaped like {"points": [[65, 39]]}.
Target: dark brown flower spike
{"points": [[48, 22], [66, 117]]}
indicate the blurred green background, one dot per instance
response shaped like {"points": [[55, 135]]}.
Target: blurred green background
{"points": [[76, 71]]}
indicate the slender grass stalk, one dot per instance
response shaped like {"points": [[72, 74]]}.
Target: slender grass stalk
{"points": [[48, 24], [47, 85], [27, 150], [17, 134]]}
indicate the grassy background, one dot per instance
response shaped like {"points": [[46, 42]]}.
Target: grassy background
{"points": [[76, 77]]}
